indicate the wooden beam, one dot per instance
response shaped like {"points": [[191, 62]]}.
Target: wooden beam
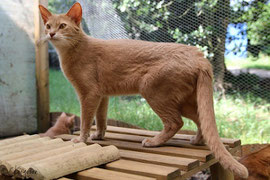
{"points": [[42, 72], [218, 172]]}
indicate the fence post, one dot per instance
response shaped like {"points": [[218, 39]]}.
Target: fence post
{"points": [[42, 71]]}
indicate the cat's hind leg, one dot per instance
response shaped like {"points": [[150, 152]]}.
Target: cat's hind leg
{"points": [[190, 111], [171, 118], [101, 119]]}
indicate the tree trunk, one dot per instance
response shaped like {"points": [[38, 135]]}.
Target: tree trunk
{"points": [[220, 20]]}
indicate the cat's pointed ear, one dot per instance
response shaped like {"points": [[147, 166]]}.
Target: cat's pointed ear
{"points": [[45, 14], [63, 114], [75, 13]]}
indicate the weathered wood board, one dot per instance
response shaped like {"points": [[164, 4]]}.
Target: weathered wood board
{"points": [[18, 111], [44, 158]]}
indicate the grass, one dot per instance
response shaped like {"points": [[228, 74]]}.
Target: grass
{"points": [[238, 116], [262, 62], [62, 95]]}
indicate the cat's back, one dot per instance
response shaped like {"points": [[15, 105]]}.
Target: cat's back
{"points": [[151, 50], [142, 44]]}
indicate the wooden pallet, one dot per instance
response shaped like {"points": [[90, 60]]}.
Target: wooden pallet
{"points": [[177, 159]]}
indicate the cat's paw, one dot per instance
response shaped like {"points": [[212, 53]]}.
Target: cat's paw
{"points": [[79, 139], [97, 136], [150, 142], [197, 140]]}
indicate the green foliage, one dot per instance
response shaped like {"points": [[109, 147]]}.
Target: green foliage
{"points": [[259, 29], [189, 22], [60, 6], [142, 16], [244, 116], [256, 15]]}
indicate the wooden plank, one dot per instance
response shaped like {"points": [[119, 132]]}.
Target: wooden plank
{"points": [[140, 132], [201, 155], [42, 72], [104, 174], [231, 142], [64, 178], [144, 169], [136, 138], [184, 164]]}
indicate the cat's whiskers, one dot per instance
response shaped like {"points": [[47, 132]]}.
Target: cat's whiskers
{"points": [[71, 40]]}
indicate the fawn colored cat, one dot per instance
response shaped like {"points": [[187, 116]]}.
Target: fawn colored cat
{"points": [[258, 164], [175, 80], [61, 126]]}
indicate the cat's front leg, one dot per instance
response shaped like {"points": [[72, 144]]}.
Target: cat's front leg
{"points": [[89, 106], [101, 119]]}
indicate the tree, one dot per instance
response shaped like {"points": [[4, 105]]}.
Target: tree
{"points": [[258, 31], [256, 15]]}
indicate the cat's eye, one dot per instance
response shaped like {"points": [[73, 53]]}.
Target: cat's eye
{"points": [[48, 26], [62, 26]]}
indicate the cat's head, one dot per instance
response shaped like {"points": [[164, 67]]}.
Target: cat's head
{"points": [[62, 29], [65, 120]]}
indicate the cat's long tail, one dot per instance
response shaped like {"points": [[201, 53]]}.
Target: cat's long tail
{"points": [[208, 125]]}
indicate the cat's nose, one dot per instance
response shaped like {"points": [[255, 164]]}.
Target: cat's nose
{"points": [[52, 34]]}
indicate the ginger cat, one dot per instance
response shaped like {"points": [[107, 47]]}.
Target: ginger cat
{"points": [[61, 126], [175, 79], [258, 164]]}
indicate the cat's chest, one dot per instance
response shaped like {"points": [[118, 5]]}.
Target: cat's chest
{"points": [[77, 70], [67, 67]]}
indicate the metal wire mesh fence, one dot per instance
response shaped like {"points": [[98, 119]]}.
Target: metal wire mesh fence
{"points": [[233, 34]]}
